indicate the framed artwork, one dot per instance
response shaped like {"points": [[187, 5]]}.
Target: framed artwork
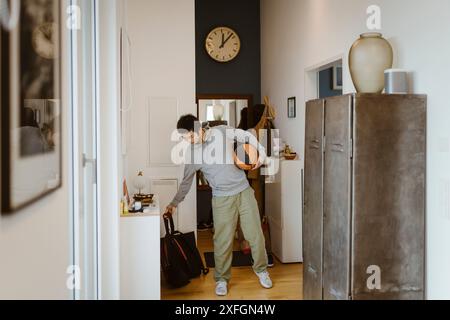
{"points": [[337, 78], [31, 105], [292, 108]]}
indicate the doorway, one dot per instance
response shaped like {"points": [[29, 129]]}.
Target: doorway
{"points": [[330, 81], [325, 79]]}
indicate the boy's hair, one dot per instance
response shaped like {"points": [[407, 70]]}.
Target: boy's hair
{"points": [[187, 122]]}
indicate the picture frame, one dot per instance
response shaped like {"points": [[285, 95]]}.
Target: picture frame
{"points": [[31, 108], [292, 108], [337, 78]]}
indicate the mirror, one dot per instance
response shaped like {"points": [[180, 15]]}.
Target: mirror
{"points": [[221, 111], [216, 110]]}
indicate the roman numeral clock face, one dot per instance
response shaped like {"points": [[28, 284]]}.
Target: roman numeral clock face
{"points": [[223, 44]]}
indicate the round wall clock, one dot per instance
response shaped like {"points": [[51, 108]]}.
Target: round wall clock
{"points": [[223, 44]]}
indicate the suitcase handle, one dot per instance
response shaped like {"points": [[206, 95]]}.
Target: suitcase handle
{"points": [[169, 220]]}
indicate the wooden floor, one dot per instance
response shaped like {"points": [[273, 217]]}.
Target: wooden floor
{"points": [[287, 280]]}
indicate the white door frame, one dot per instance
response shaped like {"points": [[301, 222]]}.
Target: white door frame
{"points": [[83, 61], [108, 147], [100, 241]]}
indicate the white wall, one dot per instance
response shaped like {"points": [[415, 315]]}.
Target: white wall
{"points": [[36, 242], [298, 34], [162, 37]]}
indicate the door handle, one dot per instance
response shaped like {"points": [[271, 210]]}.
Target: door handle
{"points": [[314, 144], [337, 147], [85, 161]]}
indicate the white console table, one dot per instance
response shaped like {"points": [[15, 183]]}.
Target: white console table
{"points": [[139, 255]]}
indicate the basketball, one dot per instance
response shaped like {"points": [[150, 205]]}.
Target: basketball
{"points": [[245, 157]]}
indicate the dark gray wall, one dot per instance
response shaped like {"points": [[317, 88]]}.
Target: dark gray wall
{"points": [[326, 84], [243, 74]]}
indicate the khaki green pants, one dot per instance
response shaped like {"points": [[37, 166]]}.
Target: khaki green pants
{"points": [[226, 211]]}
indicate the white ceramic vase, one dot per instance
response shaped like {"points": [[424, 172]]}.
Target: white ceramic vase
{"points": [[219, 110], [369, 57]]}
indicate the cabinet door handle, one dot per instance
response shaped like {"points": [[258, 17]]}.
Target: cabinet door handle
{"points": [[337, 147], [314, 144]]}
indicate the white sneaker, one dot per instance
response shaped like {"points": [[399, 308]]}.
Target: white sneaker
{"points": [[264, 279], [221, 288]]}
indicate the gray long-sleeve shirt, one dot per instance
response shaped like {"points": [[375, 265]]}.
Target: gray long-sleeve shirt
{"points": [[215, 159]]}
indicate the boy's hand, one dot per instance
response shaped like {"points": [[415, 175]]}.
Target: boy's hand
{"points": [[169, 211], [258, 165]]}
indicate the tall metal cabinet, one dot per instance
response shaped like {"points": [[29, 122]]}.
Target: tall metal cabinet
{"points": [[364, 201]]}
